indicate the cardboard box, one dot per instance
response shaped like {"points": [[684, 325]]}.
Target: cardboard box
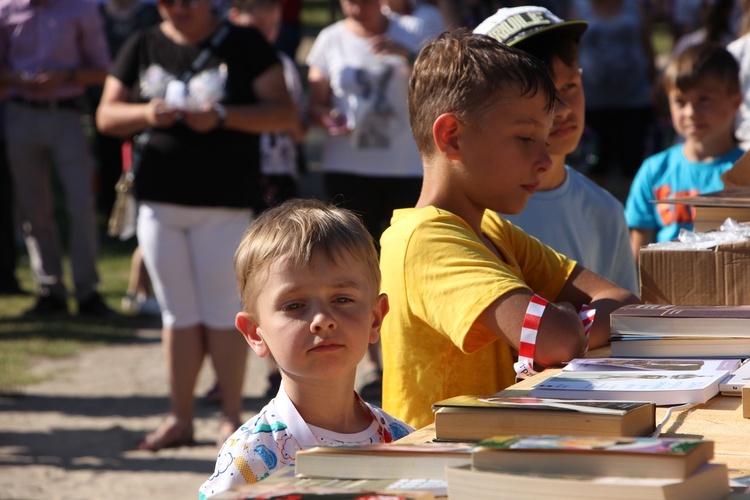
{"points": [[714, 277], [746, 401]]}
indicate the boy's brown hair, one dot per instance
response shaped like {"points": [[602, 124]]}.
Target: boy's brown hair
{"points": [[696, 62], [295, 230], [464, 74]]}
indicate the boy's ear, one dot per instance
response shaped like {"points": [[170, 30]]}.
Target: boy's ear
{"points": [[379, 310], [249, 329], [446, 132]]}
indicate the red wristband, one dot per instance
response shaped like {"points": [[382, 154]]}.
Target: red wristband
{"points": [[524, 367]]}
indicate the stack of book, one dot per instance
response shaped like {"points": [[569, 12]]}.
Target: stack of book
{"points": [[665, 331], [523, 466]]}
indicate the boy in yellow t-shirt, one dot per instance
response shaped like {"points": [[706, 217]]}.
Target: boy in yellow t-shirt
{"points": [[461, 280]]}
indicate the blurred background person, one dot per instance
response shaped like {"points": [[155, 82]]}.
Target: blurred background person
{"points": [[618, 65], [45, 78], [8, 247], [197, 186], [740, 49], [716, 25], [427, 19]]}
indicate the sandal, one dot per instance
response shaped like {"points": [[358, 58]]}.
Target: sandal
{"points": [[168, 435]]}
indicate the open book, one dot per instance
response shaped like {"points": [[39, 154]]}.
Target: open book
{"points": [[658, 386]]}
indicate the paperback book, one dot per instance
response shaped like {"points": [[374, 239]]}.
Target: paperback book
{"points": [[472, 418], [710, 482], [593, 455], [382, 461], [650, 364], [659, 386]]}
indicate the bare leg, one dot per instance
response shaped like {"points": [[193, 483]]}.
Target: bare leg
{"points": [[228, 351], [184, 350]]}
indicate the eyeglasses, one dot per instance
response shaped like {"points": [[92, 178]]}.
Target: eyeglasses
{"points": [[182, 3]]}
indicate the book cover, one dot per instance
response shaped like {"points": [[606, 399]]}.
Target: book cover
{"points": [[471, 418], [382, 460], [673, 347], [660, 387], [646, 364], [710, 482], [593, 455], [681, 321]]}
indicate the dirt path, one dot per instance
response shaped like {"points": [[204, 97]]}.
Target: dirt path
{"points": [[73, 435]]}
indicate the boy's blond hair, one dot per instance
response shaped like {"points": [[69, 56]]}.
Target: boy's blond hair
{"points": [[684, 71], [464, 74], [295, 230]]}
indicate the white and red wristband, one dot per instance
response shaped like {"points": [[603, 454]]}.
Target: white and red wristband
{"points": [[524, 367]]}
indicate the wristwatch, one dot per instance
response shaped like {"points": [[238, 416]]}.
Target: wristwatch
{"points": [[221, 114]]}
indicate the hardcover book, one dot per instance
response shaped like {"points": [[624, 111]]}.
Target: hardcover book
{"points": [[593, 455], [666, 347], [680, 321], [658, 386], [472, 418], [382, 461], [710, 482]]}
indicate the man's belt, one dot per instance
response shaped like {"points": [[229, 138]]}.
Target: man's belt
{"points": [[50, 104]]}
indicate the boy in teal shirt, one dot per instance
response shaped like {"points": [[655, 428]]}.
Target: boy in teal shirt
{"points": [[702, 84]]}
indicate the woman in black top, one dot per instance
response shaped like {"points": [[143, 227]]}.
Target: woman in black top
{"points": [[197, 186]]}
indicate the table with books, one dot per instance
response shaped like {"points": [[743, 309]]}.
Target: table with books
{"points": [[720, 420]]}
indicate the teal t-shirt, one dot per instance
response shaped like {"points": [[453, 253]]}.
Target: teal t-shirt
{"points": [[669, 175]]}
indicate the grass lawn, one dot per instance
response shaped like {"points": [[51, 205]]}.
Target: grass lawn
{"points": [[22, 341]]}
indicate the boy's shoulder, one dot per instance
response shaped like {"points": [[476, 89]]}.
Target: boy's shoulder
{"points": [[423, 220]]}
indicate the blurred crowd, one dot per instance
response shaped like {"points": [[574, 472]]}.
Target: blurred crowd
{"points": [[219, 122]]}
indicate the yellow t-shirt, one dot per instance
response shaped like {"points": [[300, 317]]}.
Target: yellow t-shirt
{"points": [[439, 278]]}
